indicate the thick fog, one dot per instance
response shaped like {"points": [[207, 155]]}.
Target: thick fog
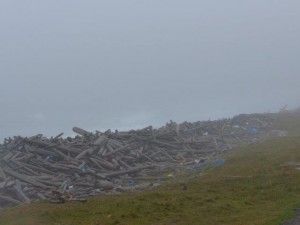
{"points": [[127, 64]]}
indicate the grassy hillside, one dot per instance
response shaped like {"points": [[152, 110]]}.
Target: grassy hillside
{"points": [[252, 187], [289, 121]]}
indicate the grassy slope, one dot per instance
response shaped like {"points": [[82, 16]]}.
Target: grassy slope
{"points": [[289, 121], [251, 188]]}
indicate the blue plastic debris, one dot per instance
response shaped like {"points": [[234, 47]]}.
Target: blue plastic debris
{"points": [[83, 168], [197, 166], [130, 182], [253, 130], [219, 162], [49, 158]]}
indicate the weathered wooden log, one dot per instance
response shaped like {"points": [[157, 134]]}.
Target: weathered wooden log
{"points": [[124, 164], [106, 164], [10, 200], [40, 143], [7, 156], [99, 141], [117, 150], [6, 184], [104, 184], [115, 162], [96, 163], [133, 170], [102, 150], [58, 136], [25, 178], [37, 168], [2, 174], [165, 144], [165, 153], [18, 189], [68, 149], [81, 131], [147, 157]]}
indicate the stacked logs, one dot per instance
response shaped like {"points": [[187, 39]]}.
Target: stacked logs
{"points": [[97, 163]]}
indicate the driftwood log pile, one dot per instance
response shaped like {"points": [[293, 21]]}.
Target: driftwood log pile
{"points": [[31, 168]]}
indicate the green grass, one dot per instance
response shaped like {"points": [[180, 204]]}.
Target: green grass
{"points": [[289, 121], [252, 187]]}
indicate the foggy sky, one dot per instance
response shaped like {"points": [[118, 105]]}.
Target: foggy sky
{"points": [[127, 64]]}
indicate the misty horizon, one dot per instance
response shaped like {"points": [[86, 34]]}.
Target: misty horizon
{"points": [[126, 65]]}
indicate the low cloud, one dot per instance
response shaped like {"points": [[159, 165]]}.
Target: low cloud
{"points": [[37, 117]]}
